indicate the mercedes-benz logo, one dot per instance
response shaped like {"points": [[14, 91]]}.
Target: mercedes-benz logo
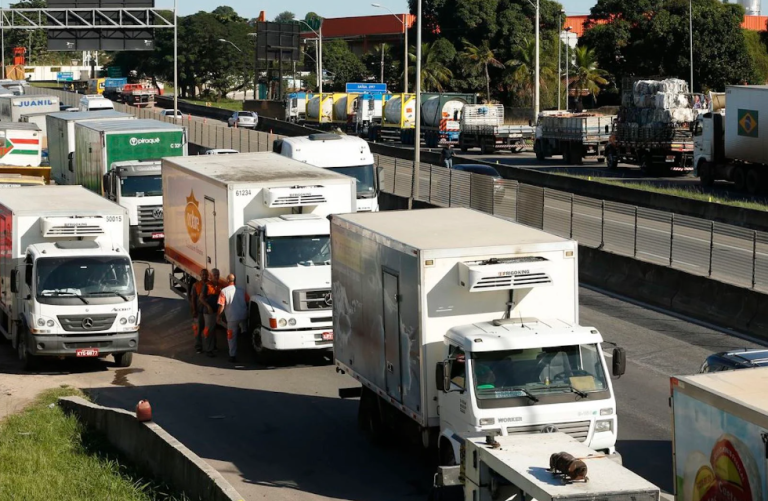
{"points": [[158, 213], [87, 323], [550, 428], [328, 298]]}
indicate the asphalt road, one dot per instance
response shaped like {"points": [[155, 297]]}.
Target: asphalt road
{"points": [[282, 433]]}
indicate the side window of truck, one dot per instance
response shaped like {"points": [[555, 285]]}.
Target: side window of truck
{"points": [[254, 247], [28, 272], [458, 367]]}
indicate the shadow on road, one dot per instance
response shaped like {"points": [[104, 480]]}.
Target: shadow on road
{"points": [[651, 459], [281, 440]]}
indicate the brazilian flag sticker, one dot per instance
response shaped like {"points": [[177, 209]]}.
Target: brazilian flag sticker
{"points": [[748, 125]]}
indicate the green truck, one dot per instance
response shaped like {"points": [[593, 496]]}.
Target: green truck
{"points": [[120, 159]]}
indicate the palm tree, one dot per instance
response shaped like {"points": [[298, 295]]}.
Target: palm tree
{"points": [[434, 74], [585, 73], [478, 60], [523, 67]]}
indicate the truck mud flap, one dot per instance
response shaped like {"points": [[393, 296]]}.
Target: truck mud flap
{"points": [[351, 392]]}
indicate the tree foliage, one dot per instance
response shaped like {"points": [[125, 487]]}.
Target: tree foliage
{"points": [[285, 17], [435, 74]]}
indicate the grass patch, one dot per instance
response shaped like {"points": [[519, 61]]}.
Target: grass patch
{"points": [[47, 455], [227, 104], [47, 85], [691, 192]]}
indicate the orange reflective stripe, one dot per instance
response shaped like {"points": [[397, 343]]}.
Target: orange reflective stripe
{"points": [[205, 332], [195, 329], [230, 334]]}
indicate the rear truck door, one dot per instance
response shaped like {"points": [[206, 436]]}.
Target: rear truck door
{"points": [[209, 226], [6, 241], [391, 320]]}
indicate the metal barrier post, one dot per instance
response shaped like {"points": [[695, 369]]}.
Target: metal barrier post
{"points": [[634, 254], [711, 245], [450, 185], [602, 223], [754, 258], [543, 205], [570, 216], [671, 237], [429, 191]]}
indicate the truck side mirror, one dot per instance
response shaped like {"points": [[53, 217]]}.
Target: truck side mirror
{"points": [[443, 376], [71, 158], [239, 245], [277, 146], [15, 281], [105, 183], [149, 279], [619, 362]]}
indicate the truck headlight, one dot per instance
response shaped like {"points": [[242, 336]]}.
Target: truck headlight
{"points": [[487, 421], [282, 322], [132, 319], [41, 322], [607, 411], [123, 320], [292, 321], [49, 323], [602, 426]]}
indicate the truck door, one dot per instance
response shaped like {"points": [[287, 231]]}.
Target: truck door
{"points": [[209, 226], [391, 319]]}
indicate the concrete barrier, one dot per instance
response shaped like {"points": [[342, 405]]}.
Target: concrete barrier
{"points": [[154, 450]]}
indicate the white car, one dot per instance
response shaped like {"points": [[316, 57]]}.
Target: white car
{"points": [[247, 119], [169, 113], [221, 151]]}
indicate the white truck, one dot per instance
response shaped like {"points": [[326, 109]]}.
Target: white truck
{"points": [[20, 144], [731, 146], [296, 106], [572, 135], [263, 217], [347, 155], [467, 336], [720, 435], [67, 287], [13, 107], [483, 126]]}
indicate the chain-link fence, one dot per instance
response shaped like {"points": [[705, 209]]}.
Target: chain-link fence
{"points": [[199, 131], [728, 253]]}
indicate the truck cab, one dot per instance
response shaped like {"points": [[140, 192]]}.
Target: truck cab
{"points": [[367, 113], [525, 375], [287, 263], [346, 155], [296, 106], [138, 186]]}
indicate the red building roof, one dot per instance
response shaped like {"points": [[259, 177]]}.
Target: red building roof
{"points": [[351, 27], [752, 23]]}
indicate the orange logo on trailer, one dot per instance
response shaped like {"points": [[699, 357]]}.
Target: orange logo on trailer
{"points": [[193, 219]]}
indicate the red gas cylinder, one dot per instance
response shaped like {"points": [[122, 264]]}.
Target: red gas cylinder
{"points": [[143, 411]]}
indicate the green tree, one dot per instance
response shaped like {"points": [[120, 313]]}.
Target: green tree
{"points": [[756, 46], [392, 71], [585, 75], [478, 59], [227, 14], [521, 72], [343, 65], [285, 17], [435, 75]]}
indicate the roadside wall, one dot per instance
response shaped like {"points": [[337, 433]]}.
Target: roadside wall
{"points": [[151, 448]]}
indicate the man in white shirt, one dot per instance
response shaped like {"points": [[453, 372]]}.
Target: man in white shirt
{"points": [[233, 303]]}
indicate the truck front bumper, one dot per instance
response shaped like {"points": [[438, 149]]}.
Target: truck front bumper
{"points": [[144, 240], [286, 339], [67, 346]]}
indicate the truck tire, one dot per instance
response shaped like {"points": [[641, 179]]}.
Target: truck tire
{"points": [[123, 359], [484, 147], [577, 154], [612, 158], [537, 148], [706, 174], [445, 453], [28, 361], [739, 178], [462, 144], [754, 182], [566, 153], [371, 420], [263, 355]]}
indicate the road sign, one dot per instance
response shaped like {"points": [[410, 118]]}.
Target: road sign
{"points": [[115, 72], [65, 76], [367, 88]]}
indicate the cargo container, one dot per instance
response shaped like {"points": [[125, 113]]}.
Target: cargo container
{"points": [[38, 119], [720, 435], [320, 109], [572, 135], [13, 107], [482, 126], [424, 320], [263, 217], [20, 144]]}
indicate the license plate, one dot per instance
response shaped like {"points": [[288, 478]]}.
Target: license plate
{"points": [[327, 336], [87, 352], [156, 236]]}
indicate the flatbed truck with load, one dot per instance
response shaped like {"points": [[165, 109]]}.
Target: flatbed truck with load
{"points": [[263, 217], [572, 135], [68, 287], [454, 338], [720, 435], [482, 126]]}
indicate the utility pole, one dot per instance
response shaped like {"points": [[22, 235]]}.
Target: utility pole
{"points": [[537, 104], [559, 58], [382, 63], [690, 31], [175, 60], [417, 115]]}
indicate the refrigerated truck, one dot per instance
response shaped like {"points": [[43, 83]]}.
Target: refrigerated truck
{"points": [[61, 139], [263, 217], [99, 146], [39, 119], [346, 155], [13, 107], [67, 286], [720, 435], [459, 337], [20, 144]]}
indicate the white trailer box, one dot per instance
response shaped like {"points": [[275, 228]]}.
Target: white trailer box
{"points": [[61, 137], [20, 144], [13, 107], [720, 434], [415, 289], [746, 123], [261, 216], [38, 119]]}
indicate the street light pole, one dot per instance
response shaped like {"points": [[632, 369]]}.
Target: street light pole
{"points": [[404, 20], [245, 73], [319, 57], [567, 66], [417, 114], [537, 104], [175, 60], [690, 31], [559, 58]]}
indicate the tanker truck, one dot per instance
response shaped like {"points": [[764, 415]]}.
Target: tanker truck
{"points": [[320, 109], [440, 117], [343, 108]]}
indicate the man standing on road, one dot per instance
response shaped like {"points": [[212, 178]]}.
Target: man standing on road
{"points": [[209, 301], [198, 321], [446, 156], [233, 302]]}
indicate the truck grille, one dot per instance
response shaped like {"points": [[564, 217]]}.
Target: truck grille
{"points": [[87, 323], [309, 300], [151, 219], [578, 429]]}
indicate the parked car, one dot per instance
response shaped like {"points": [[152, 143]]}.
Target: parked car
{"points": [[736, 359], [169, 113], [221, 151], [247, 119]]}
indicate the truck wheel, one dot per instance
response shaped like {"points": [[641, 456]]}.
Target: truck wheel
{"points": [[706, 174], [371, 416], [567, 153], [646, 165], [123, 359], [739, 178], [539, 152], [263, 355], [483, 147], [577, 155], [754, 182], [445, 452], [29, 362]]}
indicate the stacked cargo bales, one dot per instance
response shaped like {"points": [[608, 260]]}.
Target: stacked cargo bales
{"points": [[655, 110]]}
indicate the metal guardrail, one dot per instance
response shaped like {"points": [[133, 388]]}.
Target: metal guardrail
{"points": [[724, 252], [199, 132]]}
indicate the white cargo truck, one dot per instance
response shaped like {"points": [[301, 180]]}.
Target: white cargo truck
{"points": [[347, 155], [483, 126], [39, 119], [67, 287], [572, 135], [458, 324], [720, 435], [61, 138], [13, 107], [20, 144], [263, 217]]}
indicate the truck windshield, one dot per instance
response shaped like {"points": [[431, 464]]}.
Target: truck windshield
{"points": [[538, 371], [87, 277], [141, 186], [287, 252], [366, 180]]}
